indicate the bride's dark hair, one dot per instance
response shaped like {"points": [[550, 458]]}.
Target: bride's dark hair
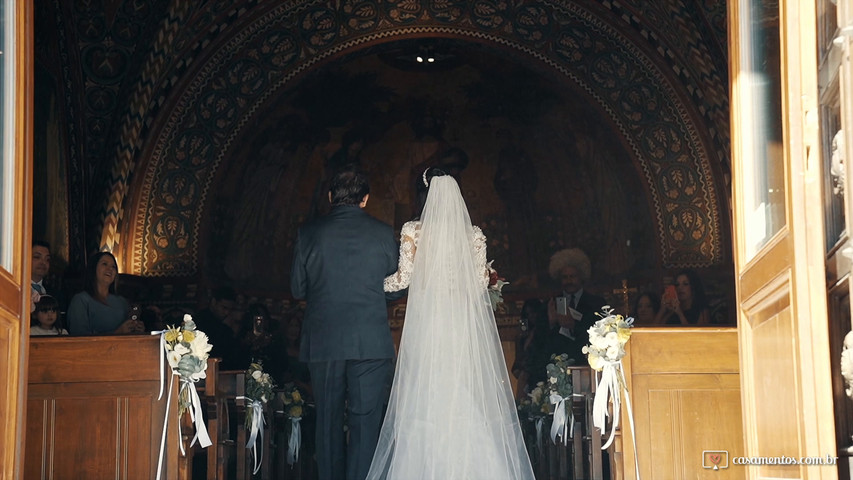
{"points": [[431, 172], [423, 188]]}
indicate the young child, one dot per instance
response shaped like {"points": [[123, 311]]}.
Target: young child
{"points": [[45, 318]]}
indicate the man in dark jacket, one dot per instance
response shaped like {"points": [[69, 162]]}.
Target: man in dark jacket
{"points": [[339, 264]]}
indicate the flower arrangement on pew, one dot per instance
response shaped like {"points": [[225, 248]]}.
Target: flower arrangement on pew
{"points": [[294, 409], [533, 411], [560, 396], [259, 390], [607, 340], [496, 285], [186, 349]]}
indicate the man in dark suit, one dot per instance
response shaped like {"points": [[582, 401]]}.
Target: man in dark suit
{"points": [[339, 264], [571, 267]]}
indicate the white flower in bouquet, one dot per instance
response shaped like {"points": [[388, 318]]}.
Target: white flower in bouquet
{"points": [[607, 339], [180, 349], [173, 357], [200, 345]]}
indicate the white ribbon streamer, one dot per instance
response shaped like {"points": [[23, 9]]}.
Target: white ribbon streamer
{"points": [[561, 419], [257, 431], [197, 416], [195, 409], [612, 380], [295, 440]]}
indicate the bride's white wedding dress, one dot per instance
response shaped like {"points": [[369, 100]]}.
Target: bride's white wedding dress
{"points": [[451, 413]]}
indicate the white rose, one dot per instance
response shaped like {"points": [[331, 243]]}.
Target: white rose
{"points": [[256, 375], [188, 317], [613, 353], [181, 349]]}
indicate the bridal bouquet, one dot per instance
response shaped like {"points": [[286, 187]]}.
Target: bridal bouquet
{"points": [[607, 340], [496, 285], [560, 395], [259, 389], [294, 407]]}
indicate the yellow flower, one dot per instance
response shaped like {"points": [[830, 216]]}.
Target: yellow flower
{"points": [[595, 362], [296, 411], [189, 335], [623, 334], [296, 396], [171, 335]]}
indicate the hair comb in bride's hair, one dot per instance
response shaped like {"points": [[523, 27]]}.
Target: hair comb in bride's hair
{"points": [[436, 172]]}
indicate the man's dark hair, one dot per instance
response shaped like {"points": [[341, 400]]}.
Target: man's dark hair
{"points": [[41, 243], [348, 187]]}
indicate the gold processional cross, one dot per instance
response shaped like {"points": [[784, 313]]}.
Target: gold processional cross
{"points": [[625, 291]]}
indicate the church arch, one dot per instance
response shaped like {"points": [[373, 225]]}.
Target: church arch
{"points": [[649, 110]]}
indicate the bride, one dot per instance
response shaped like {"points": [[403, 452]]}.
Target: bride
{"points": [[451, 413]]}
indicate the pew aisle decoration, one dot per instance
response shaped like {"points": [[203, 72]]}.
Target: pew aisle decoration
{"points": [[186, 349], [560, 396], [496, 285], [259, 390], [607, 340], [535, 409], [294, 409]]}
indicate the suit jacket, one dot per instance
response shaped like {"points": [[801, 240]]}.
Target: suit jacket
{"points": [[588, 305], [339, 264]]}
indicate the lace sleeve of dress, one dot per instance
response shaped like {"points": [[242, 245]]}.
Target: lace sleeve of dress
{"points": [[408, 244], [480, 256]]}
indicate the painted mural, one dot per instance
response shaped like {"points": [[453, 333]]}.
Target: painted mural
{"points": [[539, 167]]}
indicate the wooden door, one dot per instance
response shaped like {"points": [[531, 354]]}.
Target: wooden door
{"points": [[779, 237], [836, 108], [16, 97]]}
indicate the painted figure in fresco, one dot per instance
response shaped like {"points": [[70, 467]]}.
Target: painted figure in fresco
{"points": [[339, 264], [516, 182], [451, 414]]}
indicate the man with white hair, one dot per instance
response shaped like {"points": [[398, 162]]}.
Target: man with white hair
{"points": [[571, 267]]}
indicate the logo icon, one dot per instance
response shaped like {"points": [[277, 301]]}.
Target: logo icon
{"points": [[715, 459]]}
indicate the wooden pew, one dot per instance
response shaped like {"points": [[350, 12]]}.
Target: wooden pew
{"points": [[93, 412], [685, 389]]}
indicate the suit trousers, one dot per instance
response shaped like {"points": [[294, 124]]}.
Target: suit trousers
{"points": [[361, 388]]}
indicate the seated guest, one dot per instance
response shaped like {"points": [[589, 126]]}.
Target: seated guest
{"points": [[46, 318], [40, 269], [688, 306], [571, 267], [646, 309], [98, 310], [286, 355], [217, 321], [535, 348]]}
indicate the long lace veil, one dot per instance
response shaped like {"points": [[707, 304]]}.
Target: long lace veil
{"points": [[451, 414]]}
